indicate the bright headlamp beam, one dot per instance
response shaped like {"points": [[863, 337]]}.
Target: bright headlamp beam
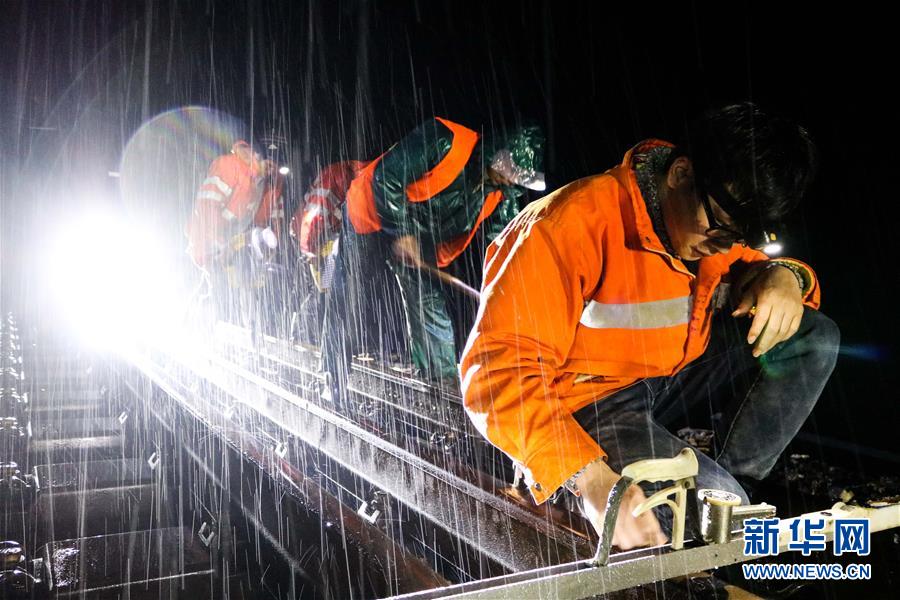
{"points": [[772, 249]]}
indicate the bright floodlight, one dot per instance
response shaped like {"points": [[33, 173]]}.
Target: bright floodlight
{"points": [[110, 282], [284, 170]]}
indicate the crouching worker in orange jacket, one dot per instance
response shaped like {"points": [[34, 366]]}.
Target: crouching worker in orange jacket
{"points": [[601, 320], [235, 226]]}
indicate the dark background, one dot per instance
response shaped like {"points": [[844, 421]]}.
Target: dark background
{"points": [[346, 79]]}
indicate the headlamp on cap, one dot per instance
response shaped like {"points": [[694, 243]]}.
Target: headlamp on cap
{"points": [[750, 228], [770, 244]]}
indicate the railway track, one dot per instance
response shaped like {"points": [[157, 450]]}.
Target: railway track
{"points": [[226, 475], [223, 471]]}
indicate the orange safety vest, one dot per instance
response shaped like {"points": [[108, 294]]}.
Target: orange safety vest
{"points": [[581, 300], [363, 212], [233, 197], [324, 200]]}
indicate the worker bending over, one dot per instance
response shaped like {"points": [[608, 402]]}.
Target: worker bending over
{"points": [[414, 210], [236, 223]]}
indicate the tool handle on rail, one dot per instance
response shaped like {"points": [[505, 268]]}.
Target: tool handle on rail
{"points": [[681, 466]]}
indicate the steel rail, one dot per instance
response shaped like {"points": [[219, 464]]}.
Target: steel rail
{"points": [[583, 579], [505, 533]]}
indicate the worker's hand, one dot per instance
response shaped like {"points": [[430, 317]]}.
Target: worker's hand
{"points": [[497, 178], [775, 302], [264, 242], [406, 248], [595, 483]]}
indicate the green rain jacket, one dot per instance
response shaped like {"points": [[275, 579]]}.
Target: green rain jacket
{"points": [[453, 211]]}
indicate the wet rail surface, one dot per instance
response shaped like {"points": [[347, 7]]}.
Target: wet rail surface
{"points": [[229, 476], [447, 502]]}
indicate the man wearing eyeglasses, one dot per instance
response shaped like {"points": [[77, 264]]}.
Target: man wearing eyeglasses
{"points": [[600, 326]]}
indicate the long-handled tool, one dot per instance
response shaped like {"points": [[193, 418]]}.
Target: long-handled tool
{"points": [[451, 281]]}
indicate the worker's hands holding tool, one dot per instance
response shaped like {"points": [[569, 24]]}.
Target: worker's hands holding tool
{"points": [[594, 484], [774, 301], [406, 248]]}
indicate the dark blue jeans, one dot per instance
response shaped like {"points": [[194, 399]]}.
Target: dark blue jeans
{"points": [[755, 405]]}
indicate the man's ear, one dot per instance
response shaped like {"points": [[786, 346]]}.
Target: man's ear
{"points": [[681, 173]]}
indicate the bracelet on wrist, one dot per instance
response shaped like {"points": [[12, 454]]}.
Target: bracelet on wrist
{"points": [[800, 273]]}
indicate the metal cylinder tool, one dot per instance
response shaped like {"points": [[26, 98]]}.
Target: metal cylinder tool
{"points": [[715, 515]]}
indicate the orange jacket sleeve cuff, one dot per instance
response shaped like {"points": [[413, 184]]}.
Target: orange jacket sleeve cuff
{"points": [[812, 298], [551, 465]]}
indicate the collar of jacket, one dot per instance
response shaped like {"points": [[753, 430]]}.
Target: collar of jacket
{"points": [[641, 234]]}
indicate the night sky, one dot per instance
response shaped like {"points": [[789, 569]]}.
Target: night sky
{"points": [[346, 79]]}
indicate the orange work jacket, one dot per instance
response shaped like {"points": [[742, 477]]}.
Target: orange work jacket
{"points": [[580, 300], [234, 196], [322, 204]]}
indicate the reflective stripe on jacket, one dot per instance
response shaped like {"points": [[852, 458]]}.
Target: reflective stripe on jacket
{"points": [[581, 300], [233, 197], [323, 202]]}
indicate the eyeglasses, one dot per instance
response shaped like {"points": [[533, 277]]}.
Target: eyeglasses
{"points": [[719, 233]]}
